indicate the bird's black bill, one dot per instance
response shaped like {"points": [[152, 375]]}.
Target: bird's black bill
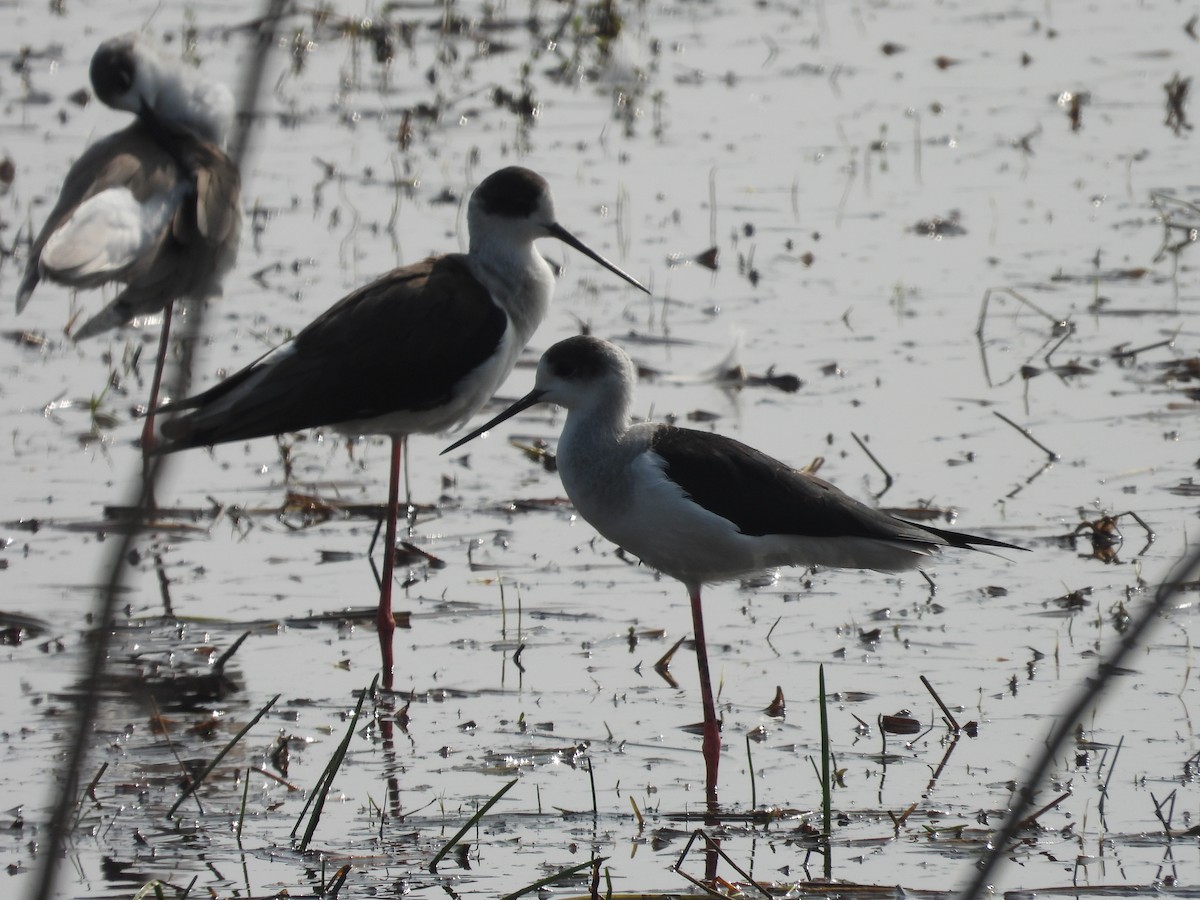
{"points": [[530, 399], [571, 241]]}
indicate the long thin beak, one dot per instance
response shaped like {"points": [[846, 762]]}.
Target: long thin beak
{"points": [[570, 240], [530, 399]]}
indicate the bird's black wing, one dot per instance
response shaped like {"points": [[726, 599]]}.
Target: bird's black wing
{"points": [[762, 495], [402, 342]]}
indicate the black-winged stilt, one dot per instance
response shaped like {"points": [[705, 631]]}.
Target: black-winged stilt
{"points": [[699, 506], [417, 351], [155, 206]]}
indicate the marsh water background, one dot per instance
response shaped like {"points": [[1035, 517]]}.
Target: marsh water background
{"points": [[867, 172]]}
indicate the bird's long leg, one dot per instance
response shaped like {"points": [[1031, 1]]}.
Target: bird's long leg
{"points": [[148, 437], [160, 362], [712, 728], [384, 622]]}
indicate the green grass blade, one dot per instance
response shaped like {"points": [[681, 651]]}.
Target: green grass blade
{"points": [[479, 813], [242, 811], [317, 800], [753, 787], [550, 879], [826, 783], [194, 786]]}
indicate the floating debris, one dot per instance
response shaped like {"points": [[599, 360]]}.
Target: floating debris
{"points": [[1177, 94], [778, 708], [901, 723], [940, 227]]}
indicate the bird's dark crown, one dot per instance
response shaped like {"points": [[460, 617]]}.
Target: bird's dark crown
{"points": [[112, 70], [512, 193], [579, 358]]}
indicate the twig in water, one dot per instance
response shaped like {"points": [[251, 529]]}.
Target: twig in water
{"points": [[267, 773], [153, 889], [937, 773], [592, 779], [826, 785], [90, 792], [950, 720], [888, 481], [1168, 801], [1050, 454], [983, 316], [1030, 821], [339, 878], [503, 610], [713, 846], [898, 823], [637, 813], [1186, 229], [663, 666], [219, 665], [1132, 354], [750, 765], [520, 614], [596, 879], [1111, 767]]}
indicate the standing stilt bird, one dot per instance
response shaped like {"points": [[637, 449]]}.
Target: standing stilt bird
{"points": [[154, 207], [417, 351], [699, 506]]}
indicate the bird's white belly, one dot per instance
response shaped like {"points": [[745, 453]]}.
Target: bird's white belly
{"points": [[638, 508]]}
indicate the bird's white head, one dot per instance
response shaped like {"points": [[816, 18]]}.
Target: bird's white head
{"points": [[590, 378], [585, 372], [131, 72], [513, 205], [512, 208]]}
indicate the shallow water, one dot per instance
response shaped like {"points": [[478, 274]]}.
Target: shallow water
{"points": [[770, 134]]}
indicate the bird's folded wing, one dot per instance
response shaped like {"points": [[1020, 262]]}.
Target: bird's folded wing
{"points": [[107, 234]]}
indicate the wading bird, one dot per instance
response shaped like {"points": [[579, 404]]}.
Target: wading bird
{"points": [[154, 207], [699, 506], [417, 351]]}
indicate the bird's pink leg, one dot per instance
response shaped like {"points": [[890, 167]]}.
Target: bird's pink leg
{"points": [[160, 362], [384, 622], [712, 728]]}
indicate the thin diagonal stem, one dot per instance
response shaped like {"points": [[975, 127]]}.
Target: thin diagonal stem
{"points": [[1065, 723], [57, 827]]}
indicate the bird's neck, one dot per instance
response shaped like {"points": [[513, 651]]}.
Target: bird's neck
{"points": [[518, 279], [595, 453], [184, 102], [592, 437]]}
